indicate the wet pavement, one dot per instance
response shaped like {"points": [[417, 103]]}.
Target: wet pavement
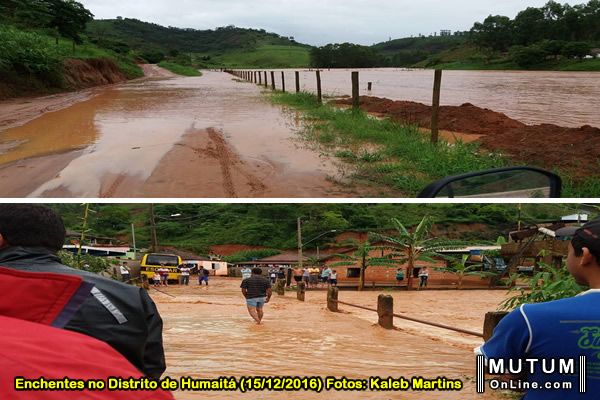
{"points": [[209, 334], [113, 143]]}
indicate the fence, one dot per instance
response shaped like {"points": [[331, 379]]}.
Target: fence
{"points": [[251, 76], [385, 312]]}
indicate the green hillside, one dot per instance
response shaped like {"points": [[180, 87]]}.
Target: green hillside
{"points": [[196, 227], [264, 56], [409, 51], [226, 46]]}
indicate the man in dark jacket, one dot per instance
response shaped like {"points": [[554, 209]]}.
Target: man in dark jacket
{"points": [[121, 315]]}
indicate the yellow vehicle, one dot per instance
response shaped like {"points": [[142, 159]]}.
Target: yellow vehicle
{"points": [[151, 262]]}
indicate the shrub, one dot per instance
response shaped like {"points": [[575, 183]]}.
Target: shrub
{"points": [[27, 54], [527, 57]]}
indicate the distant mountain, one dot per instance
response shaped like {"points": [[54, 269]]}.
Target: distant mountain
{"points": [[145, 36]]}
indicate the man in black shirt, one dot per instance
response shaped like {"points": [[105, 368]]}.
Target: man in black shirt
{"points": [[257, 291]]}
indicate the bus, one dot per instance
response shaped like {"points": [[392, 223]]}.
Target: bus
{"points": [[151, 262]]}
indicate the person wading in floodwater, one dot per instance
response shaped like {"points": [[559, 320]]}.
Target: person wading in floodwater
{"points": [[257, 291]]}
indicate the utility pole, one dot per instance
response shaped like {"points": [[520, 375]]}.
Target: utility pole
{"points": [[299, 243], [153, 228], [133, 238], [86, 213]]}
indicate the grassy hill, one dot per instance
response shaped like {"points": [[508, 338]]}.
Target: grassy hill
{"points": [[226, 46], [264, 56]]}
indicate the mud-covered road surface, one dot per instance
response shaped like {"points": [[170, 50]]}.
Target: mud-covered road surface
{"points": [[162, 136], [209, 334]]}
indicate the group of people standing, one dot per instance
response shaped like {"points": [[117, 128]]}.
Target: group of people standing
{"points": [[315, 276], [161, 275]]}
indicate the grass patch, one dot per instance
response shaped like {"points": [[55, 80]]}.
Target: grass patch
{"points": [[265, 56], [179, 69], [405, 159]]}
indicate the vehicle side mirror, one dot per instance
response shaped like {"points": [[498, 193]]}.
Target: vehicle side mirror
{"points": [[511, 182]]}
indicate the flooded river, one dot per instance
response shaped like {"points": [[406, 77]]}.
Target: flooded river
{"points": [[208, 334], [208, 136], [569, 99]]}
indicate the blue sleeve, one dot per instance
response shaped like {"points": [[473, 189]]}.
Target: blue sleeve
{"points": [[510, 338]]}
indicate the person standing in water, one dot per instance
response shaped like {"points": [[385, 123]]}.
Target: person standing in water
{"points": [[257, 291]]}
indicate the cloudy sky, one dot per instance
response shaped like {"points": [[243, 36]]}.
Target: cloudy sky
{"points": [[317, 22]]}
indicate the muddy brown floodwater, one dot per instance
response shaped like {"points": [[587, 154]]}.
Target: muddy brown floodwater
{"points": [[568, 99], [208, 136], [208, 334]]}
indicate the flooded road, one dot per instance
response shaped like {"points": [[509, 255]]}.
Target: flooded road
{"points": [[569, 99], [207, 136], [209, 334]]}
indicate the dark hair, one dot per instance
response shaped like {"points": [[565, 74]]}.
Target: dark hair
{"points": [[32, 225], [579, 243], [257, 271]]}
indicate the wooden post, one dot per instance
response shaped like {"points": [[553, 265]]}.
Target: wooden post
{"points": [[369, 86], [355, 99], [491, 320], [385, 311], [288, 278], [282, 82], [297, 82], [332, 296], [301, 291], [272, 80], [319, 94], [281, 287], [259, 78], [435, 105], [255, 76], [266, 83]]}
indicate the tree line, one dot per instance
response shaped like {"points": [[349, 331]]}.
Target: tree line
{"points": [[535, 34], [196, 227], [66, 18]]}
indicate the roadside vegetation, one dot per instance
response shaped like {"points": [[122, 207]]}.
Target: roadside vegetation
{"points": [[179, 69], [37, 37], [399, 156], [549, 283]]}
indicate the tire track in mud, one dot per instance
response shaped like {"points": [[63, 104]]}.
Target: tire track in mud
{"points": [[223, 155], [229, 163], [110, 192]]}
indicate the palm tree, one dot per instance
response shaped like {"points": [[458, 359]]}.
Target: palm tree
{"points": [[408, 247], [461, 269], [362, 258]]}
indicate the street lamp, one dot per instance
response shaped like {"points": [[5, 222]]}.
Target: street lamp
{"points": [[301, 245]]}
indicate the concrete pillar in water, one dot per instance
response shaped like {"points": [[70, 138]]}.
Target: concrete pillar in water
{"points": [[280, 287], [385, 311], [301, 291], [492, 319], [332, 296]]}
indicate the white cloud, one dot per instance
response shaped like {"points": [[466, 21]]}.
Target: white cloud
{"points": [[316, 22]]}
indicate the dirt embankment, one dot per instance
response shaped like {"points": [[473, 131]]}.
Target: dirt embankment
{"points": [[575, 150], [76, 74], [81, 74]]}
